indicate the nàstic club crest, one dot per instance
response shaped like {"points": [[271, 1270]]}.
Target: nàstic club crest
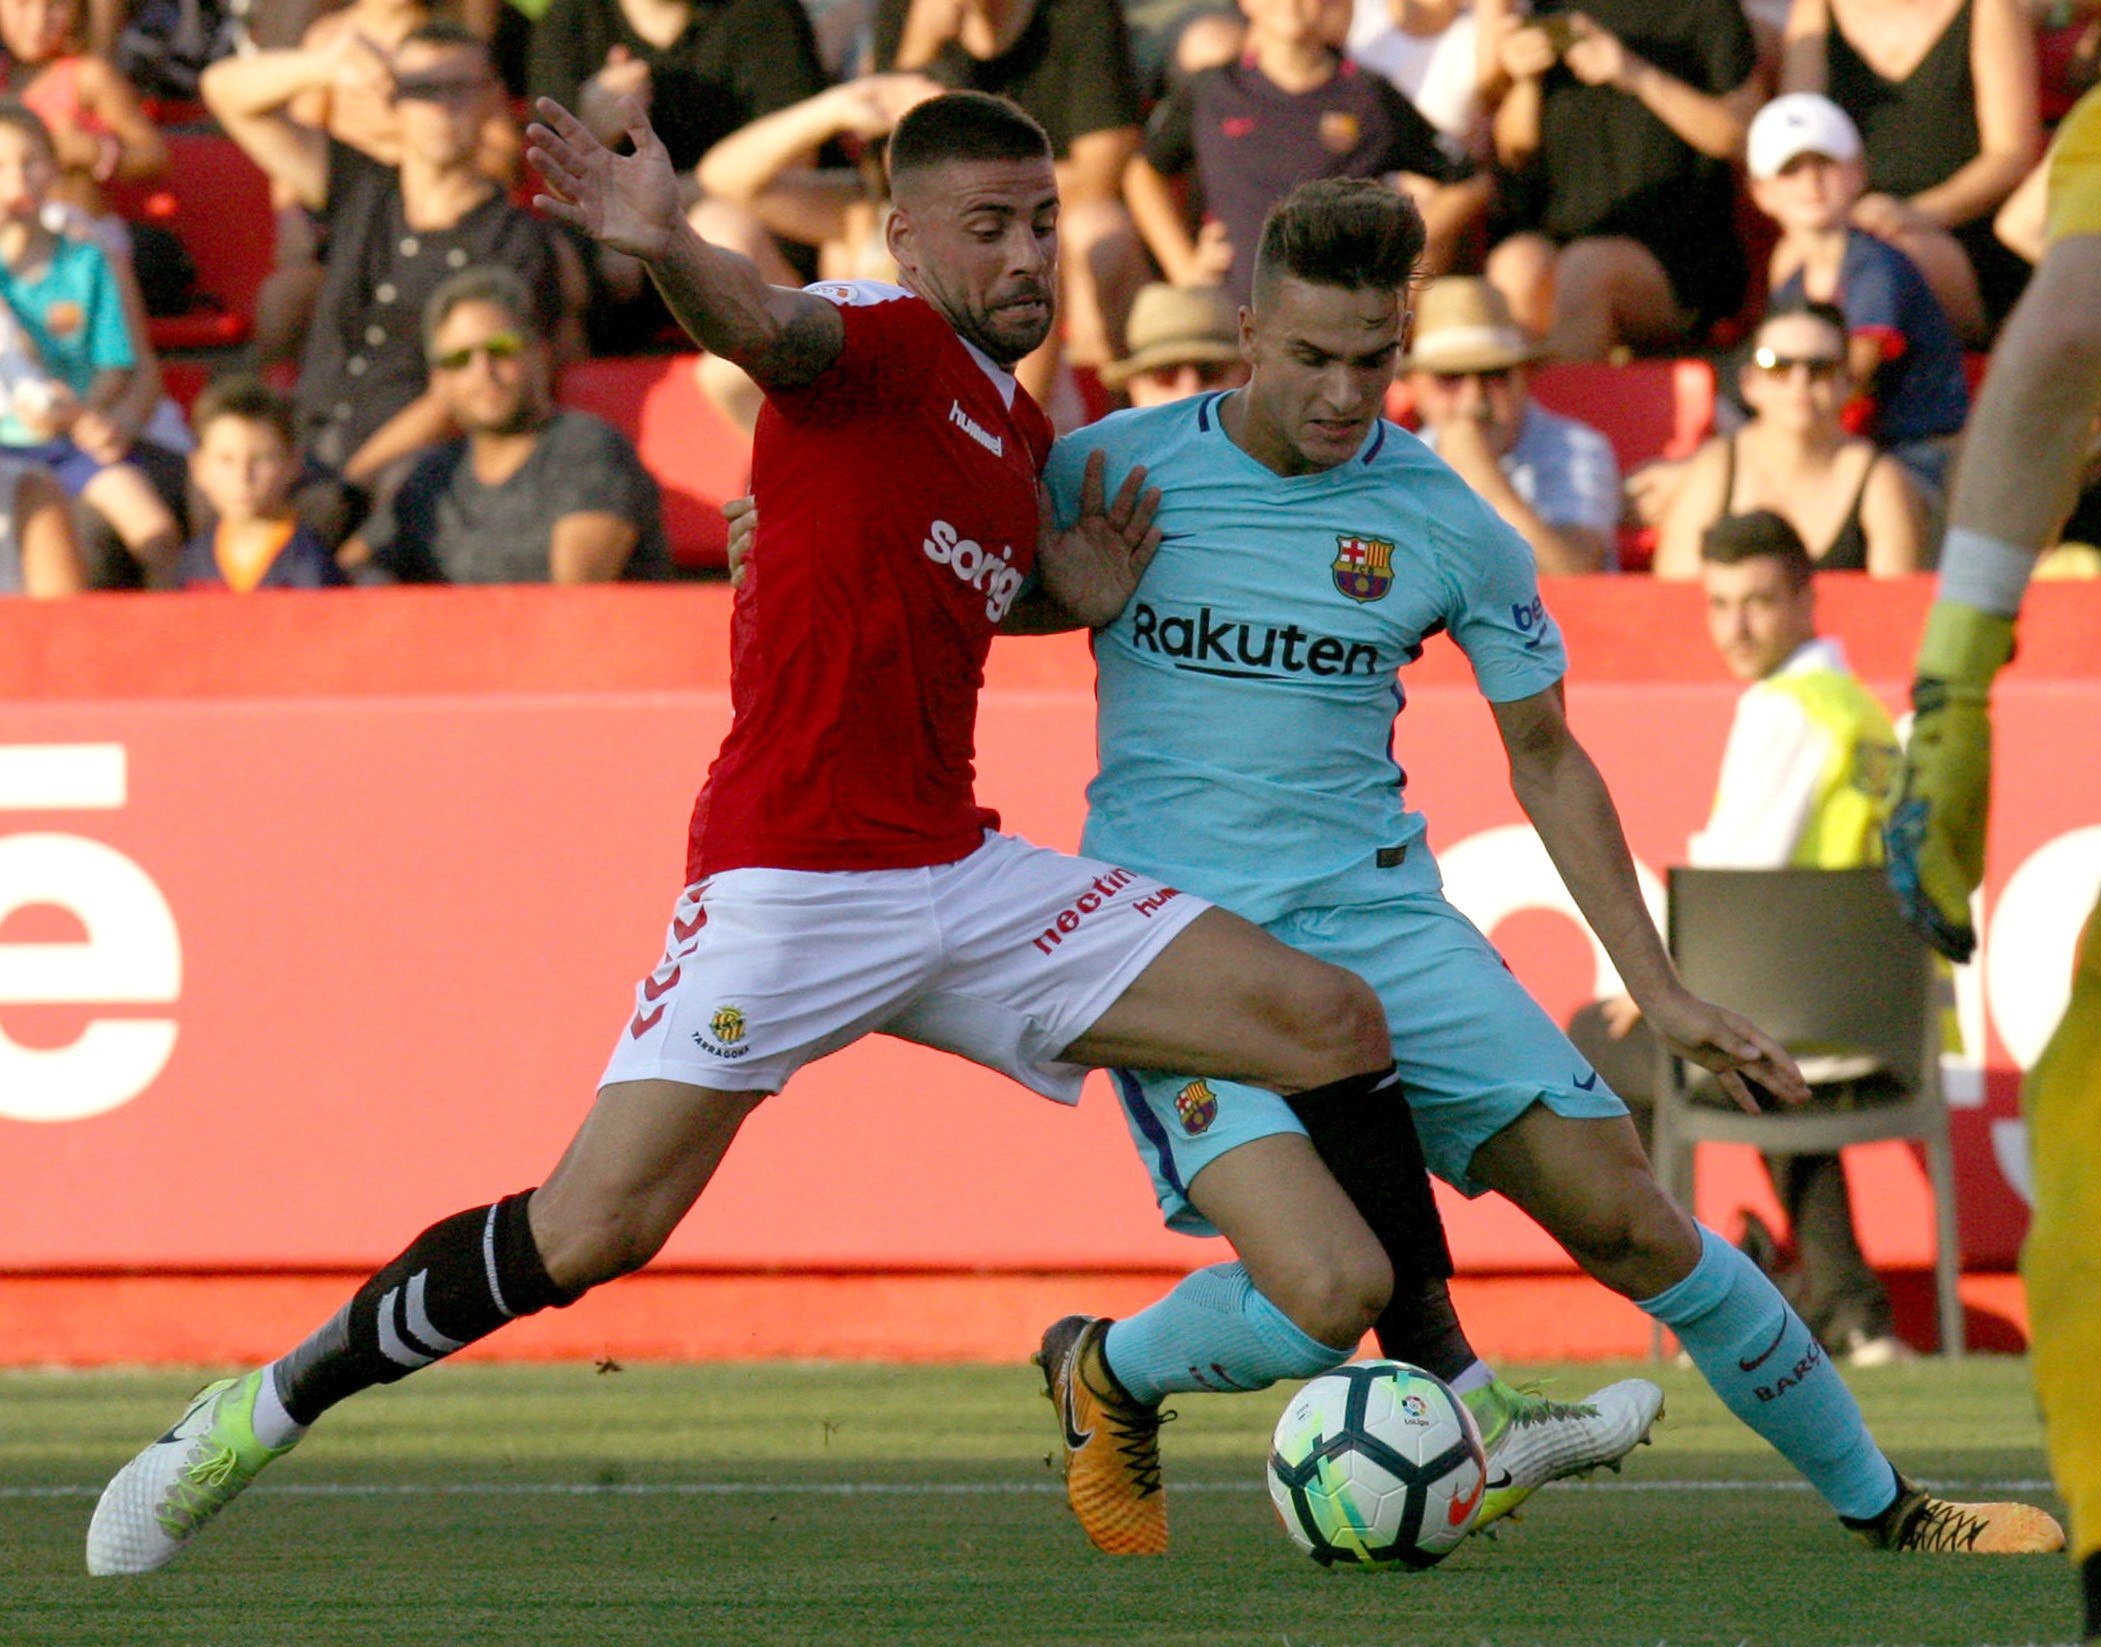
{"points": [[1363, 567], [727, 1025]]}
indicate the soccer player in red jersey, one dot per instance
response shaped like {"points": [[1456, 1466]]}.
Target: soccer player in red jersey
{"points": [[843, 878]]}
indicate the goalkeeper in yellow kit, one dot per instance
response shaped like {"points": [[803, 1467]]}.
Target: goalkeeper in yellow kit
{"points": [[2014, 489]]}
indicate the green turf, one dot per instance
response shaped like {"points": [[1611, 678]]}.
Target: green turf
{"points": [[715, 1507]]}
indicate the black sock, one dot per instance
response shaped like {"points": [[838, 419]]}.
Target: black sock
{"points": [[458, 1281], [1366, 1136], [2090, 1583]]}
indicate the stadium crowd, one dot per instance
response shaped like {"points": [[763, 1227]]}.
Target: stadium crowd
{"points": [[1690, 259]]}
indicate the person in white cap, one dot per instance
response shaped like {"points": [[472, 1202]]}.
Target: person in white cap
{"points": [[1553, 479], [1807, 174]]}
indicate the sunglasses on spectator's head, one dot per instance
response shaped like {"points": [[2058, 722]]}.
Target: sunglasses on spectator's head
{"points": [[499, 346], [438, 88], [1821, 368]]}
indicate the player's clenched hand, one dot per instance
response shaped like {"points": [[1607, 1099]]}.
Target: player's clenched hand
{"points": [[1092, 568], [1935, 833], [626, 201], [1732, 1048]]}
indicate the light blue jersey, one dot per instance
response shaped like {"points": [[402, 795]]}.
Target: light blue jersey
{"points": [[1247, 698], [1248, 692]]}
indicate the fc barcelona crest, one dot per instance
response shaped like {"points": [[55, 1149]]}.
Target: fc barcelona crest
{"points": [[1196, 1107], [1363, 567]]}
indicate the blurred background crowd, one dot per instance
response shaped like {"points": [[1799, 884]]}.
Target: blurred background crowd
{"points": [[277, 313]]}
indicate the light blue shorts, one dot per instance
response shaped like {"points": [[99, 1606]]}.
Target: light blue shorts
{"points": [[1474, 1051]]}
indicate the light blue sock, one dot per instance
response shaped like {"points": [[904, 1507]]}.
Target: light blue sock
{"points": [[1762, 1360], [1213, 1332]]}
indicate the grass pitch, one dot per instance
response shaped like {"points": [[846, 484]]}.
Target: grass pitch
{"points": [[851, 1504]]}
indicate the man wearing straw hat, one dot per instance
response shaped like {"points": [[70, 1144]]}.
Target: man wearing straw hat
{"points": [[1551, 478], [1184, 340]]}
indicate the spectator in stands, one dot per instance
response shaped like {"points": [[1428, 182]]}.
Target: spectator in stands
{"points": [[365, 399], [357, 109], [357, 106], [1944, 94], [702, 71], [1804, 784], [531, 493], [842, 210], [1618, 123], [1554, 479], [1429, 50], [245, 466], [76, 396], [101, 135], [99, 131], [1289, 109], [1068, 62], [38, 556], [1184, 340], [1806, 175], [1851, 502]]}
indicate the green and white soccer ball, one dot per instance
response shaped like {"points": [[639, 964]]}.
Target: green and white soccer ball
{"points": [[1377, 1466]]}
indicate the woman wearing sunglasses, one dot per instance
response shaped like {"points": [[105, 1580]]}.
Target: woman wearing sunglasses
{"points": [[1852, 503]]}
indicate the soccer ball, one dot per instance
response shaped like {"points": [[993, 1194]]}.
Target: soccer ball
{"points": [[1377, 1466]]}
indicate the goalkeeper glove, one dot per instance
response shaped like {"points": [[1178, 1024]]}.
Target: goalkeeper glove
{"points": [[1935, 833]]}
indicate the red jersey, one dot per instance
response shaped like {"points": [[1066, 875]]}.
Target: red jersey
{"points": [[897, 522]]}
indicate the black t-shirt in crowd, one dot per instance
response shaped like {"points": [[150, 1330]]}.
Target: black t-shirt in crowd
{"points": [[444, 526], [364, 352], [1070, 68], [735, 60], [1252, 143], [1607, 166]]}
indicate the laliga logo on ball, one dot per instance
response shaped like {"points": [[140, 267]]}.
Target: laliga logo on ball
{"points": [[131, 954]]}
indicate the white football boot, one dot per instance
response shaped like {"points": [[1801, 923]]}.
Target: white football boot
{"points": [[156, 1503], [1531, 1440]]}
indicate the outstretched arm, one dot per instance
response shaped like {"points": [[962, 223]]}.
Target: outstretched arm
{"points": [[1566, 799], [630, 203]]}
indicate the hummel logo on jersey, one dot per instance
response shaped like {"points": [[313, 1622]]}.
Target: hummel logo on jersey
{"points": [[975, 565], [971, 427], [1206, 645]]}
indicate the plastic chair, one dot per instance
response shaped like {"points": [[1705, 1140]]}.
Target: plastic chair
{"points": [[216, 201], [1648, 409], [1822, 961]]}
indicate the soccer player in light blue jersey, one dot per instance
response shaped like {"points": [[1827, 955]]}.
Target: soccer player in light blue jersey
{"points": [[1247, 697]]}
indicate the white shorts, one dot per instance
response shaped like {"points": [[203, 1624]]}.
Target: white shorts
{"points": [[1005, 957]]}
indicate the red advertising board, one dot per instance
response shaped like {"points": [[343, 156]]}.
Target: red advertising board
{"points": [[318, 916]]}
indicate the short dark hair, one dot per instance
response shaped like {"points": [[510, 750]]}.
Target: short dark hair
{"points": [[1354, 232], [491, 283], [1757, 535], [249, 399], [18, 114], [965, 125]]}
